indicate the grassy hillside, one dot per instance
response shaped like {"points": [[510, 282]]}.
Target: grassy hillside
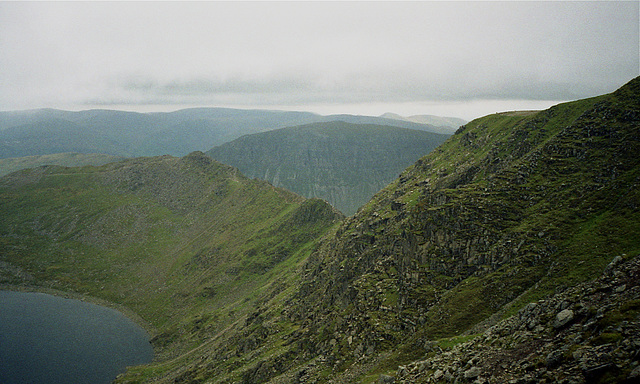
{"points": [[65, 159], [186, 243], [343, 163]]}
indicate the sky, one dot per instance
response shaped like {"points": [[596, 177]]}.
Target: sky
{"points": [[446, 58]]}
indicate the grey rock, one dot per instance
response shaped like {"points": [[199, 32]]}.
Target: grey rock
{"points": [[563, 318], [472, 373], [613, 264], [554, 358], [386, 379], [448, 376]]}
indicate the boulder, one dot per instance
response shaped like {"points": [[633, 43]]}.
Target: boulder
{"points": [[386, 379], [563, 318], [472, 373]]}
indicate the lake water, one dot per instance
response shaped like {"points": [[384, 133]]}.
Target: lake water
{"points": [[48, 339]]}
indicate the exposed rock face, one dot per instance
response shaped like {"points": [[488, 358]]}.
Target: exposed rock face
{"points": [[601, 342]]}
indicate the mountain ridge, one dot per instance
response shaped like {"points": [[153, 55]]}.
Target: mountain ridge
{"points": [[68, 159], [130, 134], [342, 163], [169, 238]]}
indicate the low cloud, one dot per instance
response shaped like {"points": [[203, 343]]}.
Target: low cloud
{"points": [[357, 88], [73, 55]]}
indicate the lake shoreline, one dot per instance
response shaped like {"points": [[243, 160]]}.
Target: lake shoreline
{"points": [[51, 336], [127, 312]]}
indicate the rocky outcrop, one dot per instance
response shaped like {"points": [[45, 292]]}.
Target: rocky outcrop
{"points": [[589, 333]]}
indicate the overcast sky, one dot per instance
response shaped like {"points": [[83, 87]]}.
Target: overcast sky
{"points": [[450, 58]]}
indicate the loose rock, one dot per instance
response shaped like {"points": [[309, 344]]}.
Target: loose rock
{"points": [[563, 318]]}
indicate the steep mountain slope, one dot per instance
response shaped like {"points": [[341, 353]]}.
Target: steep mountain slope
{"points": [[129, 134], [65, 159], [587, 333], [514, 208], [343, 163], [186, 243]]}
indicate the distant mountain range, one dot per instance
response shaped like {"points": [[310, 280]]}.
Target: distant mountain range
{"points": [[348, 157], [65, 159], [131, 134], [445, 124], [342, 163]]}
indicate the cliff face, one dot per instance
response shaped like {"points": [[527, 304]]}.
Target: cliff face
{"points": [[342, 163]]}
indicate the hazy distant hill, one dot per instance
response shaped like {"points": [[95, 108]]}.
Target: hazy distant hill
{"points": [[340, 162], [130, 134], [65, 159], [444, 124], [391, 121]]}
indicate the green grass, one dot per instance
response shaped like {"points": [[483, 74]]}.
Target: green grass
{"points": [[178, 259], [63, 159]]}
